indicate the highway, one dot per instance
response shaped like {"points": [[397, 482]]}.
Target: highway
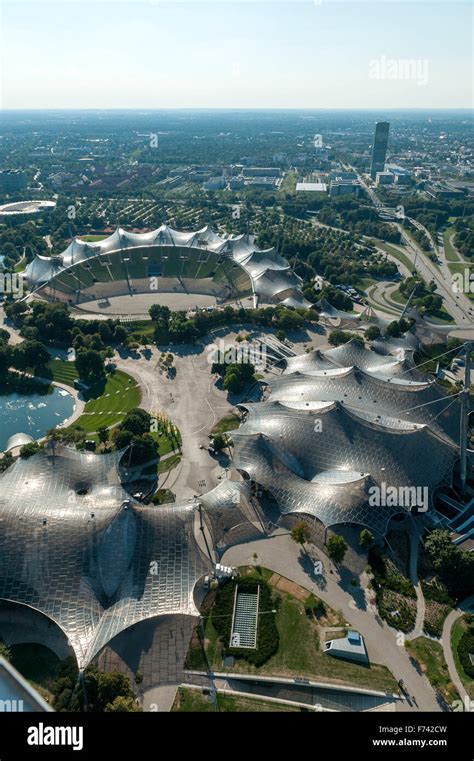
{"points": [[457, 304]]}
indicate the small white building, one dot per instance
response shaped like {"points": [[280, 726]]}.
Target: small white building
{"points": [[311, 187], [351, 647]]}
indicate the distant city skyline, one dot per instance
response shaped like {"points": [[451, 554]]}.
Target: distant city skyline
{"points": [[273, 54]]}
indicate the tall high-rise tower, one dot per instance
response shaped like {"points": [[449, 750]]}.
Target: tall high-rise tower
{"points": [[379, 150]]}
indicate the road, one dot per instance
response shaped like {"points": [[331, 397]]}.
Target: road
{"points": [[457, 304]]}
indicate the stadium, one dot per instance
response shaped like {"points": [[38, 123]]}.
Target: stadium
{"points": [[106, 275], [26, 209]]}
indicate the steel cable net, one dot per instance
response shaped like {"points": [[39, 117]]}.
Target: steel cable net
{"points": [[339, 422], [230, 516], [75, 547]]}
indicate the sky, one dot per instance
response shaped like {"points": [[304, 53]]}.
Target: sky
{"points": [[225, 54]]}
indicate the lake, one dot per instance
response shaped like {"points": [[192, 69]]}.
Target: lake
{"points": [[33, 414]]}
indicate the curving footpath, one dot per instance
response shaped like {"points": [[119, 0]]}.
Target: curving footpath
{"points": [[450, 620], [279, 553]]}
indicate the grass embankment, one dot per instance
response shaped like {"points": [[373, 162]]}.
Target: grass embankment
{"points": [[451, 254], [228, 423], [62, 372], [459, 628], [169, 463], [120, 394], [38, 664], [430, 658], [464, 269], [194, 701], [105, 406]]}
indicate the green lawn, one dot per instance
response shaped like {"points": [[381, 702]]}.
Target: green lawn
{"points": [[456, 633], [21, 265], [289, 181], [451, 253], [228, 423], [398, 298], [120, 395], [165, 443], [364, 283], [169, 463], [163, 497], [430, 657], [141, 329], [62, 372], [192, 701], [93, 238]]}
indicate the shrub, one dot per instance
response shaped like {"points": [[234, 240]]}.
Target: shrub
{"points": [[268, 638], [465, 649]]}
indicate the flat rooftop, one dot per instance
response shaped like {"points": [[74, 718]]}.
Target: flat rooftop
{"points": [[311, 187]]}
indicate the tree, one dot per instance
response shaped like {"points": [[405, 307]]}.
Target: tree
{"points": [[300, 533], [145, 448], [393, 329], [90, 366], [113, 684], [120, 334], [5, 651], [372, 332], [103, 434], [231, 382], [30, 354], [4, 336], [337, 547], [220, 441], [102, 688], [122, 438], [237, 375], [281, 335], [338, 337], [137, 421], [455, 566], [366, 538], [6, 461], [96, 342], [122, 704], [159, 312], [28, 450], [5, 358]]}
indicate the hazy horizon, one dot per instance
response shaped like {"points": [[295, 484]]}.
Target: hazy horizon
{"points": [[274, 55]]}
